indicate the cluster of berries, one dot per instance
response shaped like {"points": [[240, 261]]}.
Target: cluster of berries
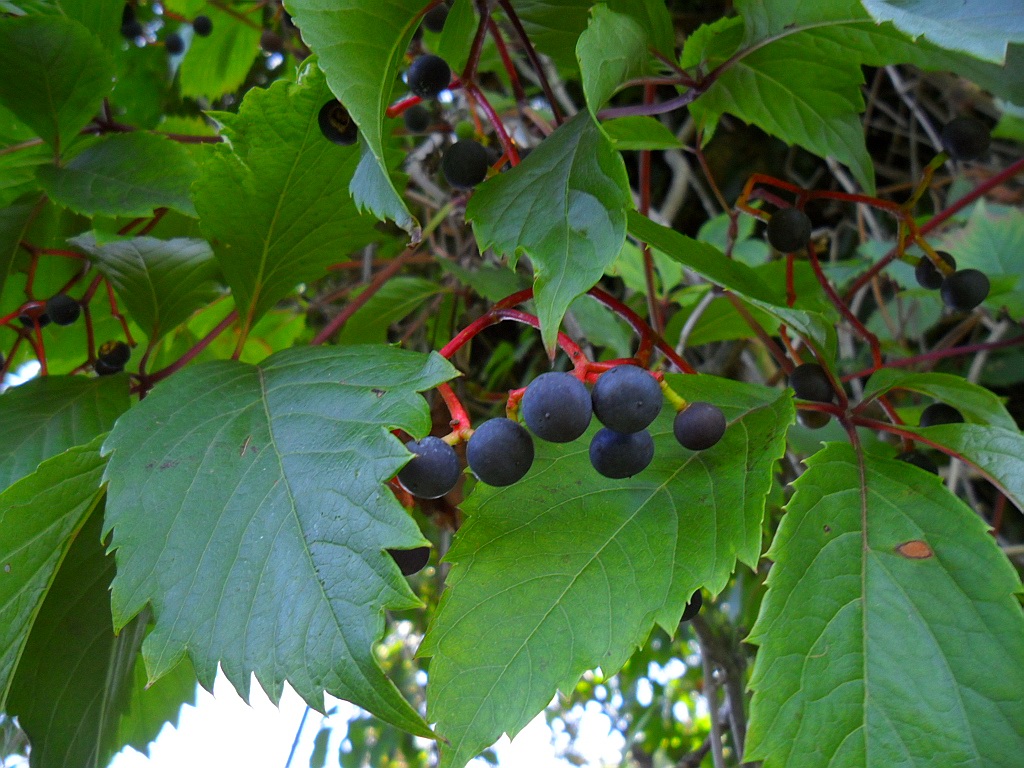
{"points": [[61, 309], [557, 407]]}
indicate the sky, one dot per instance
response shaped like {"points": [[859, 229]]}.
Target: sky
{"points": [[222, 730]]}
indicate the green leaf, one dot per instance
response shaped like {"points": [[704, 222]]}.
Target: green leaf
{"points": [[457, 36], [274, 201], [218, 64], [151, 705], [50, 414], [361, 48], [268, 481], [564, 206], [554, 26], [655, 19], [101, 17], [39, 516], [710, 263], [794, 90], [611, 50], [996, 452], [160, 282], [977, 404], [55, 75], [127, 174], [18, 173], [89, 682], [983, 33], [640, 132], [399, 297], [766, 18], [567, 570], [15, 221], [890, 634]]}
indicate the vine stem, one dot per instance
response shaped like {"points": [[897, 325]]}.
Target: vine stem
{"points": [[967, 349], [148, 382], [460, 422], [531, 54], [499, 127], [858, 326], [506, 60], [496, 315], [641, 327], [353, 306], [476, 48], [653, 308]]}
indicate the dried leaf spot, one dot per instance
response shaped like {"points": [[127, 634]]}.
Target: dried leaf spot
{"points": [[827, 528], [914, 550]]}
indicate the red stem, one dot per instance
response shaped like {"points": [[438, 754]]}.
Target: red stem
{"points": [[189, 356], [506, 60], [375, 285], [641, 327], [497, 315], [478, 43], [858, 326], [531, 54], [499, 127], [460, 422], [967, 349]]}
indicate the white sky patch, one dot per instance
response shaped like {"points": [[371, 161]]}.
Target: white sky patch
{"points": [[222, 730]]}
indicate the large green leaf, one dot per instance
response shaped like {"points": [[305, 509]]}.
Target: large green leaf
{"points": [[791, 88], [361, 47], [554, 26], [127, 174], [39, 516], [248, 507], [274, 201], [567, 570], [610, 51], [890, 635], [565, 207], [976, 403], [161, 282], [983, 32], [710, 263], [55, 74], [91, 701], [50, 414], [218, 64]]}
